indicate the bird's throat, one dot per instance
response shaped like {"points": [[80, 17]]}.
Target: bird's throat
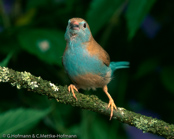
{"points": [[73, 34]]}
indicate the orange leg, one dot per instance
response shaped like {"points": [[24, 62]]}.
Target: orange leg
{"points": [[71, 88], [111, 101]]}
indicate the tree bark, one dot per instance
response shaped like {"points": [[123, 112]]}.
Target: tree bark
{"points": [[90, 102]]}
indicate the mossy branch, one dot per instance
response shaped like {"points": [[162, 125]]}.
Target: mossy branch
{"points": [[90, 102]]}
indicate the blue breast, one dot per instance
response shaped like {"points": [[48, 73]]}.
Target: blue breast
{"points": [[78, 61]]}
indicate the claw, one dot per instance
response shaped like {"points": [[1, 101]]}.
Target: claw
{"points": [[71, 88], [113, 106]]}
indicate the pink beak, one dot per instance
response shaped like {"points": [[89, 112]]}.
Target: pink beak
{"points": [[74, 25]]}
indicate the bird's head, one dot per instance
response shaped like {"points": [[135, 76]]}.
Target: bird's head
{"points": [[77, 30]]}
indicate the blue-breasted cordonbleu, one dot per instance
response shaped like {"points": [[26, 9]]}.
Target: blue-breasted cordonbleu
{"points": [[86, 62]]}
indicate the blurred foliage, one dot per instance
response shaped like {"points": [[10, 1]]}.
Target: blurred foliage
{"points": [[103, 10], [167, 77], [46, 44], [32, 39], [135, 13], [20, 120], [5, 62]]}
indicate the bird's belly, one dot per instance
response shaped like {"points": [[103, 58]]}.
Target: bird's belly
{"points": [[91, 81], [86, 71]]}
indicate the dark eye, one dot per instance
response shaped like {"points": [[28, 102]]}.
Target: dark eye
{"points": [[84, 25]]}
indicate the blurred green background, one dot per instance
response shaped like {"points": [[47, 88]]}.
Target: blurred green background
{"points": [[32, 39]]}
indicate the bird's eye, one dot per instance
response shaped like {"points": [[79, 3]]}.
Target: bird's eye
{"points": [[84, 25]]}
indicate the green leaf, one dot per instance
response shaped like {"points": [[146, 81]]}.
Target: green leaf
{"points": [[20, 120], [167, 78], [137, 10], [100, 12], [48, 45], [147, 67], [5, 62]]}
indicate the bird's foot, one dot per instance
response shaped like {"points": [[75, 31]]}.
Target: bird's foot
{"points": [[111, 101], [71, 88], [113, 106]]}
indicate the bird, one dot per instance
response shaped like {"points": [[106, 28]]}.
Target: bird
{"points": [[86, 62]]}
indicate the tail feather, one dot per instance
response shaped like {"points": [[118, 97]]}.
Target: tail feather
{"points": [[119, 65]]}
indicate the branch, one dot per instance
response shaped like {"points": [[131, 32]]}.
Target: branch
{"points": [[90, 102]]}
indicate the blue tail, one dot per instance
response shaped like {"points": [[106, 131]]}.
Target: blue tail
{"points": [[118, 65]]}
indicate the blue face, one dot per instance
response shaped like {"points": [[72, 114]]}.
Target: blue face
{"points": [[79, 33]]}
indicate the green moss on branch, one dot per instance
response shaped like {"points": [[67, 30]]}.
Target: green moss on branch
{"points": [[90, 102]]}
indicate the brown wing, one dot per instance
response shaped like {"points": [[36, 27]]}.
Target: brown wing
{"points": [[95, 49]]}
